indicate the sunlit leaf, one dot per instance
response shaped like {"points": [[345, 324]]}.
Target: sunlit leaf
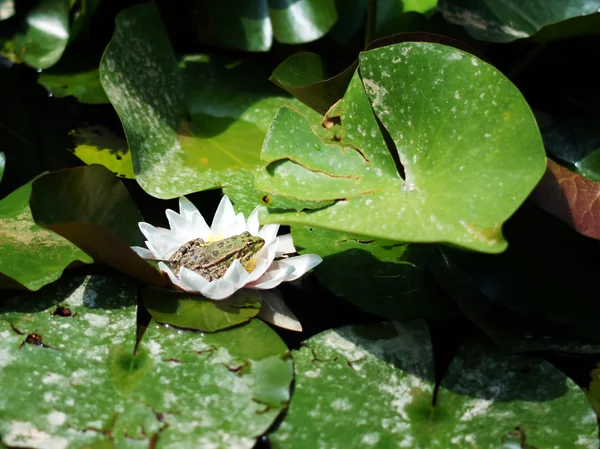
{"points": [[46, 34], [86, 388], [373, 386], [97, 145], [467, 141]]}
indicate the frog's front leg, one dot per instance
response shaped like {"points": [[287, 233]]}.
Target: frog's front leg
{"points": [[176, 259]]}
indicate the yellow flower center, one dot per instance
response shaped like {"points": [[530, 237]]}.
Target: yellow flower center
{"points": [[251, 265]]}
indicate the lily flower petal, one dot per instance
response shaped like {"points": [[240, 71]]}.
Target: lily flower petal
{"points": [[143, 252], [224, 217], [252, 226], [276, 312], [274, 276], [268, 233], [286, 245], [164, 242], [269, 253], [301, 264]]}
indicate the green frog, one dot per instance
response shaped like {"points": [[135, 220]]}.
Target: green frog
{"points": [[211, 260]]}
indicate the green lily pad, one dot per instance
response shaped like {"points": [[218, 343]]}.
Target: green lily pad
{"points": [[86, 388], [83, 85], [388, 278], [98, 145], [46, 34], [508, 20], [468, 144], [372, 386], [229, 102], [251, 25], [92, 208], [190, 311], [32, 256]]}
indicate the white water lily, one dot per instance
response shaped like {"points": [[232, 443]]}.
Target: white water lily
{"points": [[270, 265]]}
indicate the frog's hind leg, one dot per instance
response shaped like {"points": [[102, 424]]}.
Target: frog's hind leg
{"points": [[175, 259]]}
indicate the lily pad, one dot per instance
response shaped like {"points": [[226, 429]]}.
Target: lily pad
{"points": [[86, 388], [229, 102], [32, 256], [189, 311], [372, 386], [468, 143], [92, 208], [46, 34], [388, 278], [508, 20]]}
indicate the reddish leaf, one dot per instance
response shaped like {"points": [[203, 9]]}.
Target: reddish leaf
{"points": [[570, 197]]}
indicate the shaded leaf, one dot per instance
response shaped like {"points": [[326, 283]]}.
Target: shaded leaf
{"points": [[181, 389], [31, 255], [98, 145], [508, 20], [373, 386], [190, 311], [547, 273], [387, 278], [512, 331], [46, 34], [92, 208], [570, 197], [83, 85], [465, 175], [575, 141]]}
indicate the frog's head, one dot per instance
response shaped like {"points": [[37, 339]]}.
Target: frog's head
{"points": [[251, 244]]}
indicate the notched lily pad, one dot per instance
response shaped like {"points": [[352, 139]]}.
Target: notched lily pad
{"points": [[87, 389], [469, 148], [372, 386], [190, 311], [32, 256]]}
